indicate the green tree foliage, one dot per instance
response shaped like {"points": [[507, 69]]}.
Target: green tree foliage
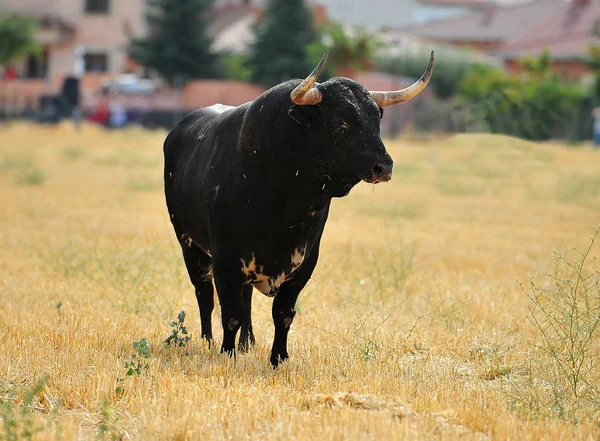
{"points": [[538, 105], [450, 68], [280, 51], [236, 67], [349, 49], [177, 45], [17, 38]]}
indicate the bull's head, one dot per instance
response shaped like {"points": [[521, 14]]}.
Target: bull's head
{"points": [[344, 120]]}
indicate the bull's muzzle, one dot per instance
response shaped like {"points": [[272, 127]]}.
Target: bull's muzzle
{"points": [[381, 172]]}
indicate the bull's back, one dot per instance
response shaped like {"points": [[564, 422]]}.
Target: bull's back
{"points": [[185, 138], [201, 143]]}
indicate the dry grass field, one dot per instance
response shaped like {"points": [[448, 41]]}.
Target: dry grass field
{"points": [[413, 326]]}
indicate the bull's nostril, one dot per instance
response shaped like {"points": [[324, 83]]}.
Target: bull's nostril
{"points": [[377, 170]]}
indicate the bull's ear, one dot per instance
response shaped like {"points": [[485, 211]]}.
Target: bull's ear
{"points": [[304, 115]]}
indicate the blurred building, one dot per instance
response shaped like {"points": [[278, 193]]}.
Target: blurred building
{"points": [[509, 32], [487, 28], [567, 32], [100, 26]]}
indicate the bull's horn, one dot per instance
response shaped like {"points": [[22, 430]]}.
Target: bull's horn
{"points": [[305, 94], [399, 96]]}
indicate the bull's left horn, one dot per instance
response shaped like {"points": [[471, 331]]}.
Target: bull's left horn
{"points": [[399, 96], [304, 94]]}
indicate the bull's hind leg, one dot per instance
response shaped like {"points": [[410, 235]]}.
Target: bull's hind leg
{"points": [[198, 264], [229, 284], [246, 330]]}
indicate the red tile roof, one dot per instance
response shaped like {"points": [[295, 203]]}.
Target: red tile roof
{"points": [[566, 33], [491, 23]]}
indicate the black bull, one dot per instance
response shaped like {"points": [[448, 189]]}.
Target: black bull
{"points": [[248, 191]]}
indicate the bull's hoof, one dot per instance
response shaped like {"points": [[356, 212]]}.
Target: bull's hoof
{"points": [[243, 345], [277, 359], [230, 352]]}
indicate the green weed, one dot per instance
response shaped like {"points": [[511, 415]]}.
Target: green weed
{"points": [[179, 335], [565, 310], [136, 365]]}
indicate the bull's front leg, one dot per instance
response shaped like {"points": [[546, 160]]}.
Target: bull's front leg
{"points": [[283, 311], [229, 283], [283, 315]]}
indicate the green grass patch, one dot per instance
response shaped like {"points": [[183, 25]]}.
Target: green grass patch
{"points": [[392, 212], [406, 169], [31, 176], [23, 169], [73, 153], [15, 163], [458, 186], [578, 188], [144, 183], [128, 161]]}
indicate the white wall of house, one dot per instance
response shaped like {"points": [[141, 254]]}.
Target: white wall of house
{"points": [[371, 14], [424, 13]]}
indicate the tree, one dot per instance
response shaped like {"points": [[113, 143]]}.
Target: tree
{"points": [[17, 38], [451, 66], [283, 35], [350, 49], [177, 44]]}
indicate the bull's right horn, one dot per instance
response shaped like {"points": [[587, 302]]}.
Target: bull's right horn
{"points": [[305, 94], [399, 96]]}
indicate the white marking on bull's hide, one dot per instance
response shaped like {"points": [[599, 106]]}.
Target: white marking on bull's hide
{"points": [[261, 107], [313, 213], [297, 172], [170, 174], [265, 284], [244, 175], [187, 240], [216, 191], [323, 187], [220, 108], [298, 257], [248, 267], [279, 280]]}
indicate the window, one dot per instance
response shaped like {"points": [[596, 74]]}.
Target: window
{"points": [[96, 62], [96, 6], [36, 66]]}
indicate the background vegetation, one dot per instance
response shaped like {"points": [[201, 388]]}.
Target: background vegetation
{"points": [[17, 37]]}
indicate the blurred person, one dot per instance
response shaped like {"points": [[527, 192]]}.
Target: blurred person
{"points": [[117, 113], [596, 114], [10, 73], [100, 113]]}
